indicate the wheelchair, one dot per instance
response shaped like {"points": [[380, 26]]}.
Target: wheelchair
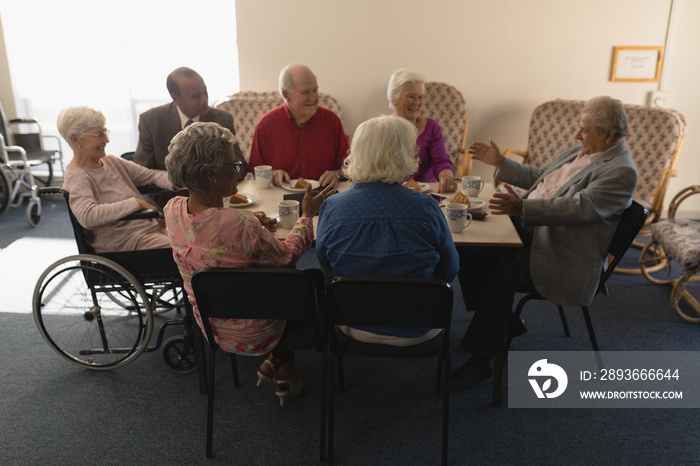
{"points": [[98, 310], [17, 183]]}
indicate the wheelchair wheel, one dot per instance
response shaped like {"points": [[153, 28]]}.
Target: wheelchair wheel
{"points": [[81, 323], [178, 354], [32, 213], [5, 191]]}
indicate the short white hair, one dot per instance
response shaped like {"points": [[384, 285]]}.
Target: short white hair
{"points": [[608, 114], [383, 149], [286, 79], [76, 120], [398, 80]]}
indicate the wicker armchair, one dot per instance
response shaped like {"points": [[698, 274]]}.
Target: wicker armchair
{"points": [[445, 104], [654, 140], [247, 107], [675, 240]]}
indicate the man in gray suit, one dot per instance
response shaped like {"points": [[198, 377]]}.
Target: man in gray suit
{"points": [[159, 125], [566, 219]]}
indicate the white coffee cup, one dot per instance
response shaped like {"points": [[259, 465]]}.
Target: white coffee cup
{"points": [[472, 185], [289, 213], [458, 217], [263, 176]]}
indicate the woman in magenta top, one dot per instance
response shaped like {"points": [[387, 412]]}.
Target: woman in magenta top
{"points": [[406, 93], [205, 234]]}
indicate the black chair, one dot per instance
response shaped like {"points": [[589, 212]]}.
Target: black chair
{"points": [[262, 293], [128, 156], [390, 302], [632, 221], [26, 133]]}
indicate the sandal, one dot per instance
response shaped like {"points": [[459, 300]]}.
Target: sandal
{"points": [[294, 389], [263, 376]]}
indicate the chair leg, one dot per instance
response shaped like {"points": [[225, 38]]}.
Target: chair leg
{"points": [[589, 325], [516, 316], [439, 376], [210, 404], [564, 324], [446, 410], [234, 369], [324, 402], [331, 406]]}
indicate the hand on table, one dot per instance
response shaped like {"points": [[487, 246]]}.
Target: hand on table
{"points": [[447, 184], [279, 177], [328, 178], [506, 203]]}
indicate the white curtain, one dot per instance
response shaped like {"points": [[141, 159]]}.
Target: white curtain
{"points": [[114, 56]]}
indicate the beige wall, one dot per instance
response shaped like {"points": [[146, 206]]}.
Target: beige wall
{"points": [[506, 56]]}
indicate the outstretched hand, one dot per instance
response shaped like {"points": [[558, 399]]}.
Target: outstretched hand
{"points": [[312, 204], [506, 203], [488, 153]]}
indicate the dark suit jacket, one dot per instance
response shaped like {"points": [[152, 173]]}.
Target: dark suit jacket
{"points": [[159, 125]]}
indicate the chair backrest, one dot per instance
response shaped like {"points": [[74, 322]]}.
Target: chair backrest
{"points": [[654, 140], [391, 302], [247, 107], [446, 105], [256, 293], [633, 219]]}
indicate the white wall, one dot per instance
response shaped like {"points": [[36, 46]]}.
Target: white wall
{"points": [[506, 56]]}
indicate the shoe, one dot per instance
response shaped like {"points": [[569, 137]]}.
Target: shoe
{"points": [[263, 376], [294, 389], [470, 374], [517, 327]]}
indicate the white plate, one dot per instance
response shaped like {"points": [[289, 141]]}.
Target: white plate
{"points": [[252, 199], [274, 215], [288, 186], [424, 187], [477, 205]]}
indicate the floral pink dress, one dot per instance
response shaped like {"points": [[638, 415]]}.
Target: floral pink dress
{"points": [[227, 237]]}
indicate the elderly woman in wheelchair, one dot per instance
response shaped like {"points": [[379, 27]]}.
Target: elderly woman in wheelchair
{"points": [[205, 234], [103, 188]]}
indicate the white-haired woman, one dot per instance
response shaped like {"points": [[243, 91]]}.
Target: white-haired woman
{"points": [[103, 188], [406, 93], [380, 228], [205, 234]]}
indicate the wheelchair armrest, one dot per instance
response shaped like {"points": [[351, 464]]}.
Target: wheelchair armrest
{"points": [[22, 120], [153, 189], [143, 214], [49, 190]]}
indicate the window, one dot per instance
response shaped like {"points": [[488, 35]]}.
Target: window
{"points": [[114, 57]]}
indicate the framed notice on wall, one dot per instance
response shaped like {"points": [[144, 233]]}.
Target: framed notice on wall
{"points": [[637, 64]]}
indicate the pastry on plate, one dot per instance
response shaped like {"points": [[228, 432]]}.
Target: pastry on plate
{"points": [[238, 199], [412, 184], [460, 198], [301, 184]]}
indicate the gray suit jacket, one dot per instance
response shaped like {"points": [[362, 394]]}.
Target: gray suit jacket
{"points": [[159, 125], [573, 229]]}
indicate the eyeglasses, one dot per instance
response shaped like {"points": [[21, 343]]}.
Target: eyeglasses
{"points": [[101, 134], [237, 164]]}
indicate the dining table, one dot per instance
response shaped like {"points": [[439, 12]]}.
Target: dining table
{"points": [[495, 232]]}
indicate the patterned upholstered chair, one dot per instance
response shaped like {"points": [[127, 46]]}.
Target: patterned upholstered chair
{"points": [[247, 107], [654, 140], [679, 241], [445, 104]]}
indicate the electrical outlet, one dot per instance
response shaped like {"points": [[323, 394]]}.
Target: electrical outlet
{"points": [[658, 98]]}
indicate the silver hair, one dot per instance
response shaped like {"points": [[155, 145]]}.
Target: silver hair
{"points": [[398, 80], [608, 114], [196, 152], [383, 149], [76, 120], [286, 79]]}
